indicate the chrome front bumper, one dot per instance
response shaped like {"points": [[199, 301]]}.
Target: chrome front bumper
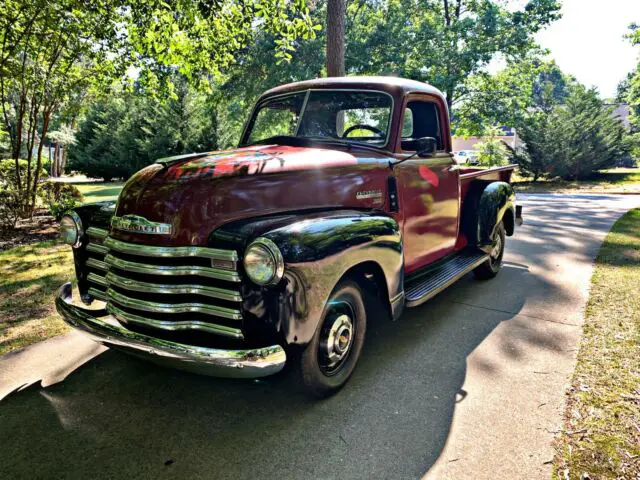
{"points": [[105, 329]]}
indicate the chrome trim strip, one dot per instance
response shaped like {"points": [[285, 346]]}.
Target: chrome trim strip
{"points": [[97, 233], [172, 270], [170, 252], [126, 283], [97, 248], [95, 293], [175, 326], [258, 362], [92, 262], [121, 299], [92, 277]]}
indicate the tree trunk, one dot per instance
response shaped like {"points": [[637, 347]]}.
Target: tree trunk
{"points": [[336, 10], [55, 167], [46, 116]]}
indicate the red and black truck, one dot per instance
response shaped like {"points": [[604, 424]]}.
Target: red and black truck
{"points": [[343, 194]]}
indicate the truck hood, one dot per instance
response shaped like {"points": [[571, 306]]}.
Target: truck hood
{"points": [[199, 193]]}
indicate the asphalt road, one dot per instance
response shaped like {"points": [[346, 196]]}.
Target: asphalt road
{"points": [[469, 385]]}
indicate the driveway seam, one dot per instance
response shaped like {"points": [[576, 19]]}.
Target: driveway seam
{"points": [[516, 313]]}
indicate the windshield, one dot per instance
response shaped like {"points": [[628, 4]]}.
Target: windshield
{"points": [[352, 116]]}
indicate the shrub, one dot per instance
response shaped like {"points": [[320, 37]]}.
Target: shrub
{"points": [[12, 204], [574, 140], [59, 197], [492, 151]]}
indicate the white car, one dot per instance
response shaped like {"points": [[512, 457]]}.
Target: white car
{"points": [[466, 156]]}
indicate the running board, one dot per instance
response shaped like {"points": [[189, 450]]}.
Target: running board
{"points": [[429, 285]]}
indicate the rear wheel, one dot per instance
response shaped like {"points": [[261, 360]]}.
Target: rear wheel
{"points": [[330, 358], [491, 267]]}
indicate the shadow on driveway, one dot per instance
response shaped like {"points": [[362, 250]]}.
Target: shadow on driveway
{"points": [[119, 417]]}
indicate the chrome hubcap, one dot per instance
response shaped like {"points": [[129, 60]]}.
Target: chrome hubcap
{"points": [[336, 341]]}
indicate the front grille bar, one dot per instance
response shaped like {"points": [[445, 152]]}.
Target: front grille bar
{"points": [[173, 326], [110, 281], [92, 262], [171, 252], [136, 267], [98, 233], [155, 307], [92, 277], [128, 284]]}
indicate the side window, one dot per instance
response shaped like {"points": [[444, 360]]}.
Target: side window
{"points": [[425, 122], [407, 124]]}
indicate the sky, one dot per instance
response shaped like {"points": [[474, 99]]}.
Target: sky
{"points": [[587, 42]]}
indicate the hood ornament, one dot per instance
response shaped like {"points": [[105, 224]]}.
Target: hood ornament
{"points": [[138, 224]]}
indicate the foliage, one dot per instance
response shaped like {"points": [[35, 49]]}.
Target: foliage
{"points": [[60, 197], [440, 41], [124, 133], [511, 97], [492, 151], [53, 53], [11, 206], [573, 140]]}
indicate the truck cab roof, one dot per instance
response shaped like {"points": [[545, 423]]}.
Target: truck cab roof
{"points": [[395, 86]]}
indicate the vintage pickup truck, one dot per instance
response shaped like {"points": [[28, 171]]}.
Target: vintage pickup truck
{"points": [[343, 197]]}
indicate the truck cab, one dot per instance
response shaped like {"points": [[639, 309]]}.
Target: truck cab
{"points": [[342, 194]]}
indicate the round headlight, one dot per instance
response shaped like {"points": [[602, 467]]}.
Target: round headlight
{"points": [[71, 229], [263, 262]]}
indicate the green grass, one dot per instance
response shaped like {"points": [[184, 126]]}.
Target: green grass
{"points": [[615, 180], [601, 435], [98, 191], [29, 276]]}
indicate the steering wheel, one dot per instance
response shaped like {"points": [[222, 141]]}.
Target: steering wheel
{"points": [[375, 130]]}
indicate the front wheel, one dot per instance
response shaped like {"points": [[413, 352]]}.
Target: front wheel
{"points": [[491, 267], [330, 358]]}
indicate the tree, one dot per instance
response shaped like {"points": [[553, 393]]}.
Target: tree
{"points": [[492, 151], [511, 96], [336, 10], [442, 41], [125, 132], [62, 140], [575, 139], [50, 51]]}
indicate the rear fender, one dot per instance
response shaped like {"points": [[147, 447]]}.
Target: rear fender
{"points": [[496, 202]]}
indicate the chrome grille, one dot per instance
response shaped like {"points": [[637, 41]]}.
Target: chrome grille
{"points": [[166, 288]]}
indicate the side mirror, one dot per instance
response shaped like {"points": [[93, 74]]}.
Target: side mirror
{"points": [[426, 146]]}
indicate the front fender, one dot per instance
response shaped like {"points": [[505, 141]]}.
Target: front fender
{"points": [[497, 200], [318, 251]]}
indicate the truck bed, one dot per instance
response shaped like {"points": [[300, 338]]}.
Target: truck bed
{"points": [[503, 174]]}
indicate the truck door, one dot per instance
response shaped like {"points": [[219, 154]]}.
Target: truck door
{"points": [[428, 187]]}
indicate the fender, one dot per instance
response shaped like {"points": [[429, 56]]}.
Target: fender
{"points": [[96, 215], [318, 249], [497, 202]]}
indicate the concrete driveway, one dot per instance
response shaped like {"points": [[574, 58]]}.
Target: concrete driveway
{"points": [[470, 385]]}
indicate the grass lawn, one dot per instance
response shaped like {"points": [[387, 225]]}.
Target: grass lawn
{"points": [[29, 277], [98, 192], [615, 180], [601, 435]]}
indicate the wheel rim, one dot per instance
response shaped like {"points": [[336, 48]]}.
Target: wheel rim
{"points": [[495, 255], [497, 247], [336, 338]]}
